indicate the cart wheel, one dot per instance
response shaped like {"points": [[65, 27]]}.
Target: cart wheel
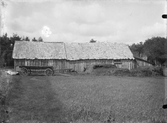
{"points": [[49, 72], [24, 72]]}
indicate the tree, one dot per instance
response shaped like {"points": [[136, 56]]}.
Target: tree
{"points": [[92, 41], [34, 39], [14, 38], [6, 48], [137, 49], [9, 59], [25, 38], [40, 39], [3, 47], [154, 48]]}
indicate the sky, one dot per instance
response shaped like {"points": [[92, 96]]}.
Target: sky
{"points": [[121, 21]]}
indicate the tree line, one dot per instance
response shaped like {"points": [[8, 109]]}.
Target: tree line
{"points": [[7, 45], [155, 49]]}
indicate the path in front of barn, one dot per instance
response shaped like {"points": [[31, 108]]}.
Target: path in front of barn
{"points": [[33, 101]]}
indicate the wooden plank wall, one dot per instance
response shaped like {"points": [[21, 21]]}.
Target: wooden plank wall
{"points": [[129, 64], [57, 64], [79, 65], [142, 64]]}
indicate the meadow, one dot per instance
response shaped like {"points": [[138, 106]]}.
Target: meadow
{"points": [[87, 99]]}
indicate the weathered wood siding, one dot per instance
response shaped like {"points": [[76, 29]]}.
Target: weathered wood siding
{"points": [[57, 64], [78, 65], [129, 64], [81, 65], [140, 63]]}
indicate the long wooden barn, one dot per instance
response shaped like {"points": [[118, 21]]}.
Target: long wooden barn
{"points": [[76, 56]]}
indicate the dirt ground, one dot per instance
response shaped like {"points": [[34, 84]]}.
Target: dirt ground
{"points": [[121, 98]]}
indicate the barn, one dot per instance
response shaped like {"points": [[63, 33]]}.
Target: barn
{"points": [[75, 56]]}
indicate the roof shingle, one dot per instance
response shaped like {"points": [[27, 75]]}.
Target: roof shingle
{"points": [[71, 51]]}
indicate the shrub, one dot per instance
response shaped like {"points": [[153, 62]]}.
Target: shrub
{"points": [[147, 71], [104, 66], [113, 70], [121, 72], [157, 70]]}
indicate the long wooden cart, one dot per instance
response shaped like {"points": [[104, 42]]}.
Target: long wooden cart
{"points": [[27, 70]]}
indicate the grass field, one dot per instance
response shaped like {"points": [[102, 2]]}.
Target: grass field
{"points": [[82, 99]]}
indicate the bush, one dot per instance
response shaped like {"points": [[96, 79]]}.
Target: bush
{"points": [[104, 66], [147, 71], [113, 70], [121, 72], [158, 70], [142, 71]]}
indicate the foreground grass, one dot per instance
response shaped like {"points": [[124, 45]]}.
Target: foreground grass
{"points": [[34, 100], [86, 99], [121, 98]]}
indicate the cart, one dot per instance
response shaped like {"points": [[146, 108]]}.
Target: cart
{"points": [[27, 70]]}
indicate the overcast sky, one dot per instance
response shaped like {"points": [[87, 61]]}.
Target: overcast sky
{"points": [[126, 21]]}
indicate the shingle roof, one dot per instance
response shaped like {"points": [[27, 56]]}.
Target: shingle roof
{"points": [[99, 50], [39, 50], [71, 51]]}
